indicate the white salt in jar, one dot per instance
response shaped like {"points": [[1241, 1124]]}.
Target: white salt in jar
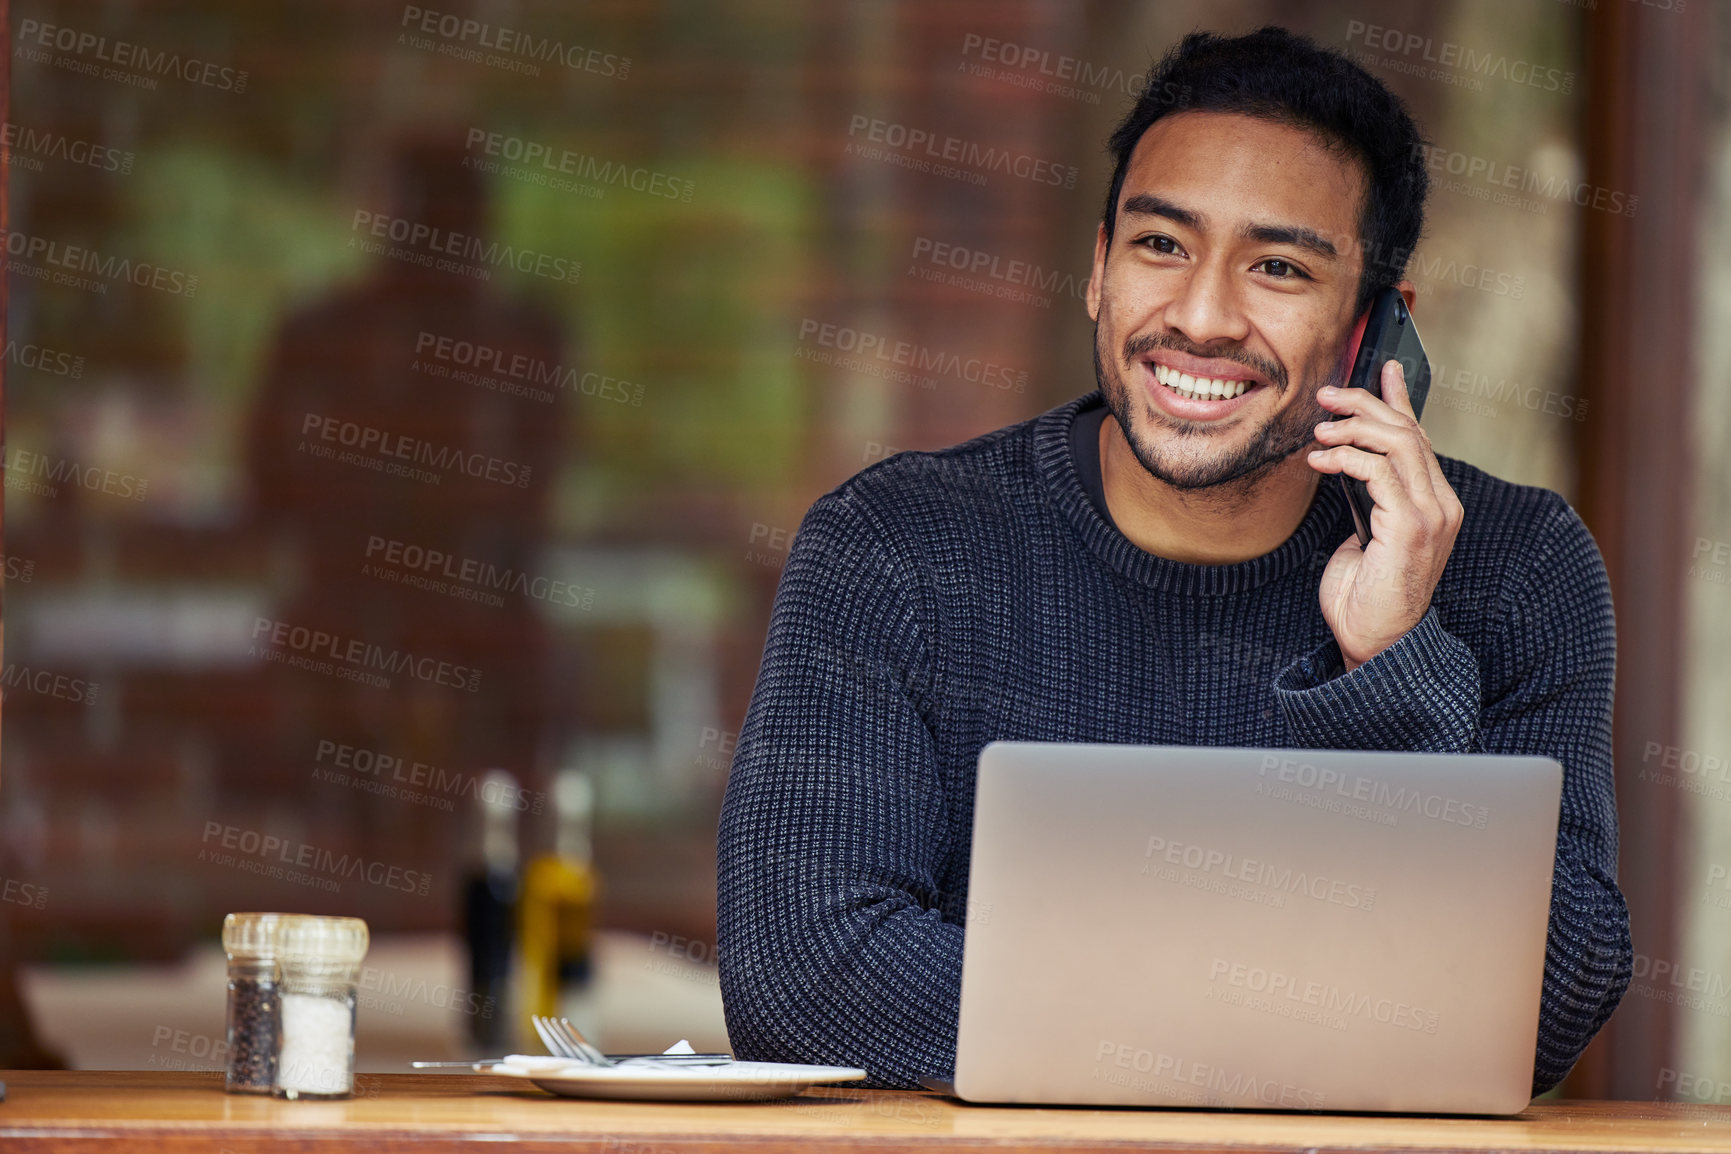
{"points": [[320, 960]]}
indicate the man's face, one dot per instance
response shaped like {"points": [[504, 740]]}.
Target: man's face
{"points": [[1233, 259]]}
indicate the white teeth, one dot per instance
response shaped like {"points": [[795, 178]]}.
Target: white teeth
{"points": [[1188, 386]]}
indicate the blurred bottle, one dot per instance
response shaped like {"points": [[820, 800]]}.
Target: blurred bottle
{"points": [[489, 909], [556, 917]]}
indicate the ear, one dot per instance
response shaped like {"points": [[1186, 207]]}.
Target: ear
{"points": [[1099, 274], [1408, 293]]}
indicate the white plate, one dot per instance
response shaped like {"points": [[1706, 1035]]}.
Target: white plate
{"points": [[734, 1082]]}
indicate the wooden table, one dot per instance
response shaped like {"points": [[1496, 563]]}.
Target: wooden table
{"points": [[188, 1113]]}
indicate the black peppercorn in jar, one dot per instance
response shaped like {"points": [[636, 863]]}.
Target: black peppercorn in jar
{"points": [[254, 1006]]}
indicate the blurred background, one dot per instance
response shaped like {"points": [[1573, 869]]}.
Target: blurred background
{"points": [[396, 395]]}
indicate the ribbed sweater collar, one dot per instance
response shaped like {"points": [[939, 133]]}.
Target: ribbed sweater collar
{"points": [[1325, 525]]}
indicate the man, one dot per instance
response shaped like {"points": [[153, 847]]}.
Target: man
{"points": [[1166, 561]]}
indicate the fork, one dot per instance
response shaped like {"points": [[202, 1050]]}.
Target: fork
{"points": [[564, 1040]]}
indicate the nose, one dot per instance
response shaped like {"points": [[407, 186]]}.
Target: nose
{"points": [[1207, 307]]}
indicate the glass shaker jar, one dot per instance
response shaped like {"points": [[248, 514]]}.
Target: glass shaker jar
{"points": [[320, 960], [249, 940]]}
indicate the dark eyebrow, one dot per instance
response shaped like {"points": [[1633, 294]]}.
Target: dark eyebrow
{"points": [[1304, 238], [1147, 204]]}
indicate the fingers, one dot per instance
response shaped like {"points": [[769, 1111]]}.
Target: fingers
{"points": [[1379, 441], [1411, 447], [1418, 513], [1380, 591], [1394, 406], [1386, 449], [1415, 518], [1386, 489], [1394, 391], [1400, 400], [1406, 452]]}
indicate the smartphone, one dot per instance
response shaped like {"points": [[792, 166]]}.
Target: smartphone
{"points": [[1385, 333]]}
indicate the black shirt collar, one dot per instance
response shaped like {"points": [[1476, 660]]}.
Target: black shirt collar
{"points": [[1064, 455]]}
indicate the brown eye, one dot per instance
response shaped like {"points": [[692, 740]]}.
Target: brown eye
{"points": [[1279, 269]]}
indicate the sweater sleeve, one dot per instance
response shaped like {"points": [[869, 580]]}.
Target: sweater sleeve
{"points": [[831, 939], [1550, 670]]}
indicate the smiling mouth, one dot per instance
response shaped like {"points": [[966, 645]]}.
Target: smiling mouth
{"points": [[1200, 388]]}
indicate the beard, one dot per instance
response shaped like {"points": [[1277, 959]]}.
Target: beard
{"points": [[1185, 458]]}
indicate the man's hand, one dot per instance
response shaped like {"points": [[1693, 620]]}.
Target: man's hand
{"points": [[1371, 596]]}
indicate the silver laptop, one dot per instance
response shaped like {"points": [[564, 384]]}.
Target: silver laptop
{"points": [[1264, 929]]}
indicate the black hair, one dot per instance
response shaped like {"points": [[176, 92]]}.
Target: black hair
{"points": [[1273, 74]]}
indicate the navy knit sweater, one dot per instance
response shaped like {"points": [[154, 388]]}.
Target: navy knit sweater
{"points": [[938, 601]]}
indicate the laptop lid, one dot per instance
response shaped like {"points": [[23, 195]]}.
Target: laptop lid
{"points": [[1285, 929]]}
